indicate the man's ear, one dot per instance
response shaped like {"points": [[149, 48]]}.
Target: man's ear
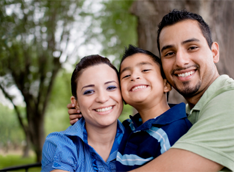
{"points": [[74, 101], [215, 52], [167, 86]]}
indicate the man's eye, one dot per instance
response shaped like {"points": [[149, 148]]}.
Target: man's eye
{"points": [[193, 47], [126, 76], [110, 88], [169, 54], [88, 92]]}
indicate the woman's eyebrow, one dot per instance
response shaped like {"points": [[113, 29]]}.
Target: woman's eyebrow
{"points": [[91, 85], [108, 82]]}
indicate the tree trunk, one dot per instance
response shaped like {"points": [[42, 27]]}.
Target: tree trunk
{"points": [[218, 14]]}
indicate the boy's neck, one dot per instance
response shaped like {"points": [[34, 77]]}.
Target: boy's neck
{"points": [[149, 112]]}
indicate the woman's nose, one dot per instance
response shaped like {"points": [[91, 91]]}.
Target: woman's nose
{"points": [[102, 96]]}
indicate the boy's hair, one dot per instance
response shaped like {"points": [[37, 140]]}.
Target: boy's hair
{"points": [[84, 63], [131, 50], [176, 16]]}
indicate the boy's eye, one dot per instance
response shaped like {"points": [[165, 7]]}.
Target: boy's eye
{"points": [[88, 92], [146, 70], [110, 88], [126, 76]]}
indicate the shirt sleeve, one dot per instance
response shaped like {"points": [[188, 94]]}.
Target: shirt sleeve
{"points": [[212, 136], [59, 152]]}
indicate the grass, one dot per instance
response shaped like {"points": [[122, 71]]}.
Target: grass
{"points": [[17, 160]]}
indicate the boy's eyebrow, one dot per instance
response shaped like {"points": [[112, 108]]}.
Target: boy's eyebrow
{"points": [[138, 64], [92, 85], [184, 42]]}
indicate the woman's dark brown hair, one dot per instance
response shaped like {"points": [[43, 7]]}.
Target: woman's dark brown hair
{"points": [[84, 63]]}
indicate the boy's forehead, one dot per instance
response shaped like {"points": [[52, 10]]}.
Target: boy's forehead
{"points": [[136, 60]]}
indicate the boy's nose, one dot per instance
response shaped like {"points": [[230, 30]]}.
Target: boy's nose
{"points": [[135, 77]]}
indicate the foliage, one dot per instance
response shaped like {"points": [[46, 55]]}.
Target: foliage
{"points": [[114, 28], [15, 160], [11, 135], [34, 43]]}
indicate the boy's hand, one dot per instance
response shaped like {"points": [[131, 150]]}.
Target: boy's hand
{"points": [[74, 114]]}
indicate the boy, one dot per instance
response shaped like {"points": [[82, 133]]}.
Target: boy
{"points": [[156, 127]]}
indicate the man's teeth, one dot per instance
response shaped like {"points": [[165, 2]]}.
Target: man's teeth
{"points": [[185, 74], [104, 109], [138, 87]]}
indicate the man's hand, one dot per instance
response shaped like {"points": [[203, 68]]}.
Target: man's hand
{"points": [[74, 114]]}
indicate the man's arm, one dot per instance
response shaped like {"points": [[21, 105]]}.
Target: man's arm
{"points": [[180, 160]]}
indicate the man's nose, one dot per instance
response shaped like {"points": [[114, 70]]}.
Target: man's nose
{"points": [[182, 58]]}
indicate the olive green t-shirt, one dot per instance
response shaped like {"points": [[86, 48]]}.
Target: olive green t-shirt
{"points": [[212, 133]]}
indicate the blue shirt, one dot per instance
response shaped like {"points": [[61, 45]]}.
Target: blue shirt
{"points": [[143, 142], [69, 150]]}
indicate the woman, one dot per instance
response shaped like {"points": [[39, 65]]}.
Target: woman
{"points": [[92, 143]]}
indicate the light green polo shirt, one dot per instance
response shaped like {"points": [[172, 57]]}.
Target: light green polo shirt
{"points": [[212, 133]]}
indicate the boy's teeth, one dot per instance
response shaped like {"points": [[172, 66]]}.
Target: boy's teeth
{"points": [[104, 109], [186, 74], [138, 87]]}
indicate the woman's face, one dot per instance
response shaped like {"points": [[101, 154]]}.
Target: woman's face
{"points": [[98, 96]]}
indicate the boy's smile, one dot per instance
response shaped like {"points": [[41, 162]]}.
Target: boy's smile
{"points": [[141, 81]]}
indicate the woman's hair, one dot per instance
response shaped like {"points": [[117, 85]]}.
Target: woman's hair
{"points": [[84, 63]]}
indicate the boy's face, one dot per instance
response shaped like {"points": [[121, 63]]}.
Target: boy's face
{"points": [[141, 81]]}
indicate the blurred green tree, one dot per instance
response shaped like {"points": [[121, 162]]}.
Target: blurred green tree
{"points": [[34, 41]]}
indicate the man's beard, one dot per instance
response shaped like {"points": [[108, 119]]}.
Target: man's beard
{"points": [[187, 91]]}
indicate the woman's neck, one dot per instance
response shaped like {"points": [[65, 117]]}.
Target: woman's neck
{"points": [[102, 139]]}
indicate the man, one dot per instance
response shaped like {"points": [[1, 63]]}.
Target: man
{"points": [[188, 57]]}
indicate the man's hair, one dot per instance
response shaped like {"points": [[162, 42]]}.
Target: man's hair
{"points": [[131, 50], [84, 63], [176, 16]]}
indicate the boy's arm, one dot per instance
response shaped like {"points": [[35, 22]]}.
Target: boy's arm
{"points": [[74, 114], [180, 160]]}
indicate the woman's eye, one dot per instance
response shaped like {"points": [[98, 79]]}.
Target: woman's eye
{"points": [[88, 92], [111, 88]]}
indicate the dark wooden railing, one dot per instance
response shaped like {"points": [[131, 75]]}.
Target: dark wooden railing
{"points": [[26, 167]]}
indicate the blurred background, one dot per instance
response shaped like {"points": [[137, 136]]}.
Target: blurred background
{"points": [[42, 40]]}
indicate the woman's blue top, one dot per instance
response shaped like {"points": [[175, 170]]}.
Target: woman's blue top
{"points": [[69, 150]]}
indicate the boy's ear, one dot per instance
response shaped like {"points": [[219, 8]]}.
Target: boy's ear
{"points": [[167, 86], [74, 101]]}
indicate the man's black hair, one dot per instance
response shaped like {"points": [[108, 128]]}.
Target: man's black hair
{"points": [[176, 16]]}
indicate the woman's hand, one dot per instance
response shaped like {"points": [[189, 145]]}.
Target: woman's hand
{"points": [[74, 114]]}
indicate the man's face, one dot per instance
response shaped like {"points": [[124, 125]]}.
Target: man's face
{"points": [[187, 60]]}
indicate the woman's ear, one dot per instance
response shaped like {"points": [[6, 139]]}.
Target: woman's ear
{"points": [[167, 86], [74, 101]]}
